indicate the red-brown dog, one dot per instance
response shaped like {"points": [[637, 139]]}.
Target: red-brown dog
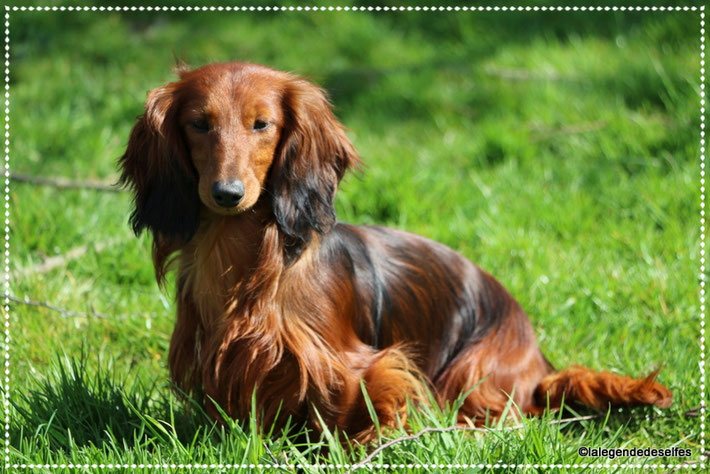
{"points": [[234, 170]]}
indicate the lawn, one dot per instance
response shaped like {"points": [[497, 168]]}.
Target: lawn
{"points": [[557, 150]]}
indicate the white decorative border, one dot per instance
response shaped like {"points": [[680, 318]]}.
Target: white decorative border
{"points": [[346, 466], [362, 9], [702, 233], [6, 379]]}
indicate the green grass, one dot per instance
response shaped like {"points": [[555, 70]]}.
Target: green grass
{"points": [[558, 151]]}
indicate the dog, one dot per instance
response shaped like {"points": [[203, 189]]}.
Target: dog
{"points": [[234, 170]]}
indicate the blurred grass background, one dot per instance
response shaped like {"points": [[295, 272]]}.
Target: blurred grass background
{"points": [[557, 150]]}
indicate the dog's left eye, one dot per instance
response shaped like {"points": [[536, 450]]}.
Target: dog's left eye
{"points": [[260, 125], [201, 125]]}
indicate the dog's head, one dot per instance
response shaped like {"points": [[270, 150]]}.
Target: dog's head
{"points": [[227, 135]]}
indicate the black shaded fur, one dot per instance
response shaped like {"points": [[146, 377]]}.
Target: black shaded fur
{"points": [[394, 271]]}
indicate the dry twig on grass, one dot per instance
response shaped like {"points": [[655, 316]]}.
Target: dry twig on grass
{"points": [[419, 434], [65, 313], [512, 74], [571, 129], [56, 261], [65, 183]]}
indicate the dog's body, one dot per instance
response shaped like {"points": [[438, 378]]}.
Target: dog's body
{"points": [[234, 170]]}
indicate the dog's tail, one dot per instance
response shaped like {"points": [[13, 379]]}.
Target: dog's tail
{"points": [[579, 385]]}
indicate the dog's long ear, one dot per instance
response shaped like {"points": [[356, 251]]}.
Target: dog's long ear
{"points": [[312, 157], [157, 169]]}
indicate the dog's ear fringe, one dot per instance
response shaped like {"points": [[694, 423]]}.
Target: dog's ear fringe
{"points": [[164, 186], [310, 161]]}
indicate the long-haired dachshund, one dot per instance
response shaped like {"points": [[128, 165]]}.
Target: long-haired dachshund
{"points": [[234, 170]]}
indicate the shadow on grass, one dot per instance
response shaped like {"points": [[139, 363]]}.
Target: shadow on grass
{"points": [[75, 407], [78, 407]]}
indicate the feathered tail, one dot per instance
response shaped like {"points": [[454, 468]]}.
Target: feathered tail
{"points": [[600, 389]]}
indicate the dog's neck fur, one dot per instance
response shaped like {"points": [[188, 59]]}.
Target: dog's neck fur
{"points": [[219, 259]]}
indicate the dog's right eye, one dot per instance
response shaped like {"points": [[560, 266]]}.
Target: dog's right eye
{"points": [[201, 125], [260, 125]]}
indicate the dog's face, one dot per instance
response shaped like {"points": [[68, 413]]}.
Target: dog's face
{"points": [[227, 135], [232, 121]]}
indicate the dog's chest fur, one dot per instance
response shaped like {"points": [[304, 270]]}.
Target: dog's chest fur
{"points": [[217, 262]]}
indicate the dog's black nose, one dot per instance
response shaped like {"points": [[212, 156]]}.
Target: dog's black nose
{"points": [[227, 194]]}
